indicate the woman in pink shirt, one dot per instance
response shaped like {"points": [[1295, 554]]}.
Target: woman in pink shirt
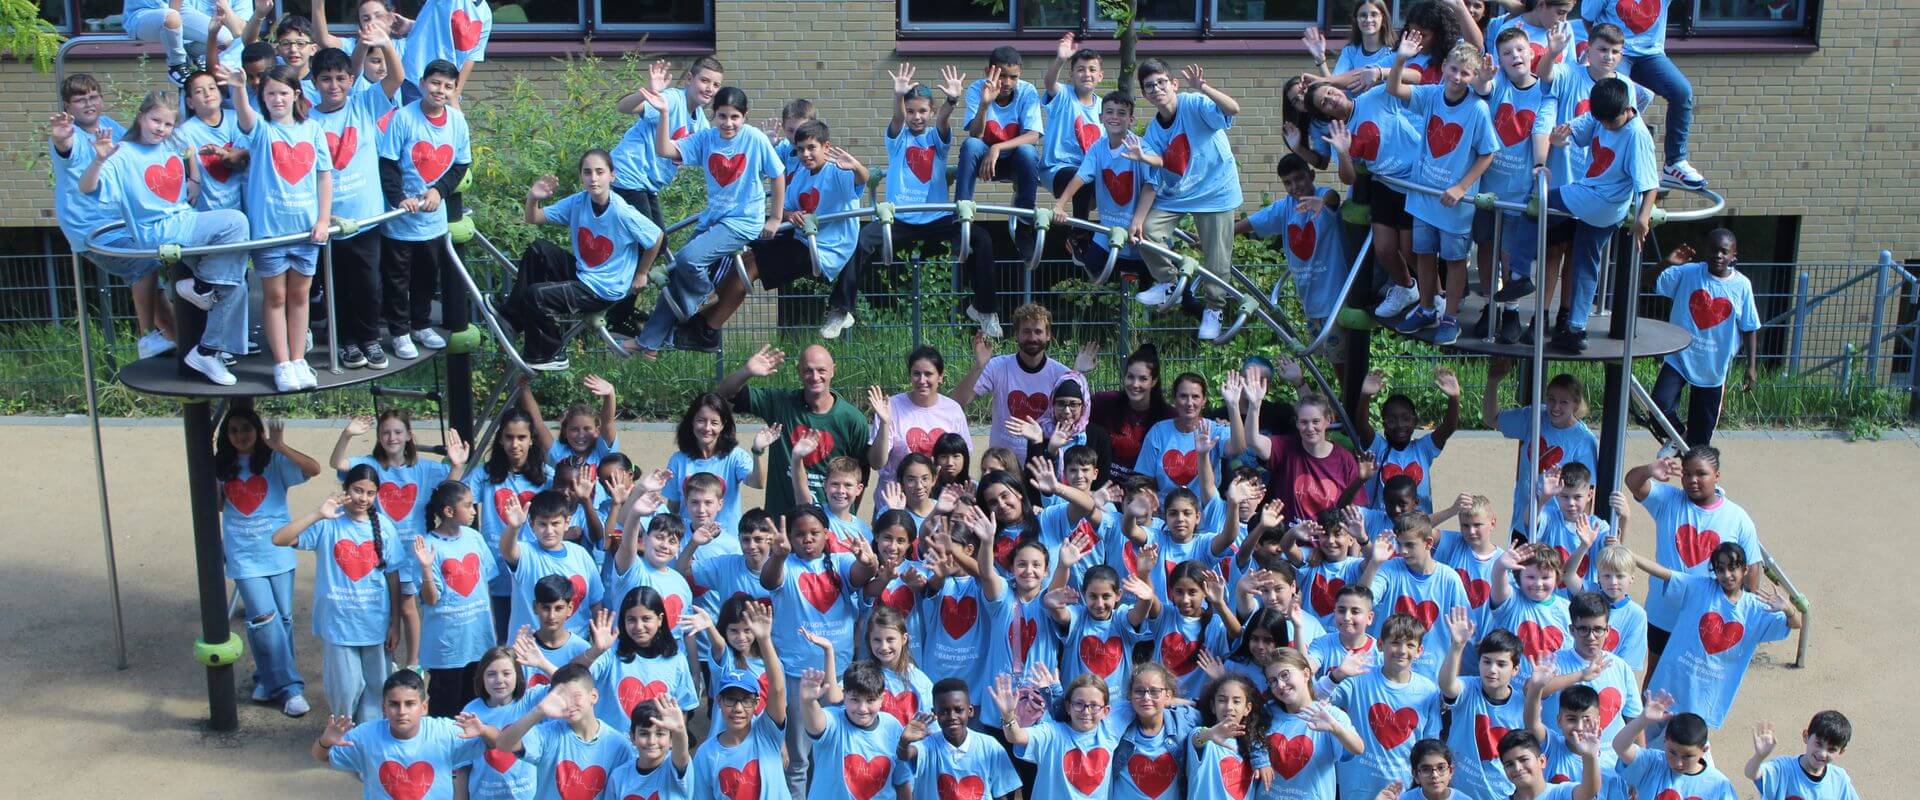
{"points": [[911, 421]]}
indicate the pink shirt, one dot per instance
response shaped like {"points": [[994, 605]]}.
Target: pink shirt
{"points": [[916, 429], [1016, 392]]}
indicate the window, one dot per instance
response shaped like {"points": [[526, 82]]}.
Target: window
{"points": [[680, 14], [1732, 15], [512, 19]]}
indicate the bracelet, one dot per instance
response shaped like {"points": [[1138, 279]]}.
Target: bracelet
{"points": [[758, 451]]}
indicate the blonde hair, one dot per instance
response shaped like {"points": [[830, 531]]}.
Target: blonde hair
{"points": [[1146, 668], [1482, 508], [1467, 54], [1616, 558], [155, 100], [1291, 657], [1566, 382]]}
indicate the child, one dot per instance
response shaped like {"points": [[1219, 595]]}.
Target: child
{"points": [[1415, 584], [957, 759], [1002, 130], [1007, 505], [174, 25], [587, 433], [452, 30], [1074, 758], [1472, 554], [659, 731], [1305, 737], [1333, 567], [1349, 649], [1110, 177], [1194, 175], [500, 695], [349, 115], [510, 472], [613, 248], [1573, 90], [1482, 706], [373, 19], [163, 215], [1812, 774], [856, 736], [905, 575], [404, 476], [1524, 113], [1220, 753], [1097, 638], [1373, 136], [1705, 297], [1363, 62], [1196, 617], [1316, 253], [1432, 764], [213, 136], [1646, 55], [1155, 725], [1680, 766], [538, 650], [647, 559], [1568, 523], [533, 546], [1717, 628], [1538, 21], [455, 628], [1075, 113], [571, 750], [1564, 437], [1459, 148], [1017, 642], [706, 443], [424, 153], [1579, 715], [1174, 449], [1524, 762], [908, 692], [843, 489], [952, 454], [1626, 635], [741, 642], [1689, 523], [1395, 451], [1539, 614], [643, 660], [256, 467], [1400, 707], [724, 576], [1589, 664], [743, 757], [639, 170], [359, 572], [406, 753], [795, 113]]}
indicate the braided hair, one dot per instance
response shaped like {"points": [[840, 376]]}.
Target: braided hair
{"points": [[366, 472]]}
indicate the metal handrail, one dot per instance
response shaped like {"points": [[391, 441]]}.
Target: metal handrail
{"points": [[487, 313], [1488, 201], [174, 253]]}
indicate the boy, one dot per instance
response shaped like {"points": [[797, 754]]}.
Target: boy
{"points": [[1524, 763], [958, 758], [1524, 113], [1680, 768], [1539, 614], [1472, 554], [1349, 651], [855, 736], [1395, 451], [1579, 715], [821, 179], [1811, 775], [350, 116], [917, 175], [407, 754], [1399, 705], [572, 750], [1646, 55], [842, 489], [424, 152], [1568, 523], [1415, 584], [1002, 132], [794, 114], [659, 733], [1719, 626], [547, 519], [1021, 383], [640, 173], [1589, 664], [1482, 708], [614, 247], [1714, 304], [1116, 186], [80, 214], [1626, 635], [552, 607], [1316, 252], [1459, 148], [647, 558], [1194, 174], [1075, 117], [1077, 509], [1335, 568], [716, 574]]}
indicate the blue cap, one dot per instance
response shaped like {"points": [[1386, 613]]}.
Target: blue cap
{"points": [[739, 679]]}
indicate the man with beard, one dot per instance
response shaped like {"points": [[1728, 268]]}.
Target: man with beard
{"points": [[1021, 384]]}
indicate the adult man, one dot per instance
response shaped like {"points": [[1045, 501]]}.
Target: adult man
{"points": [[812, 407], [1021, 383]]}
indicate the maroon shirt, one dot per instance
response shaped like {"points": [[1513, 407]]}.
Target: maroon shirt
{"points": [[1126, 427], [1306, 484]]}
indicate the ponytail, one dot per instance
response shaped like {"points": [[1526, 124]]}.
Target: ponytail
{"points": [[366, 472]]}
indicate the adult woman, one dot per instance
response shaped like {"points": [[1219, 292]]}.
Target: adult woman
{"points": [[913, 420], [1171, 452], [1306, 470], [1128, 414]]}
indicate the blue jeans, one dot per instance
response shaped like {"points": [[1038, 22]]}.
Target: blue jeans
{"points": [[1658, 74], [130, 270], [227, 272], [689, 282], [1021, 165], [1521, 240], [353, 675], [269, 605], [150, 25]]}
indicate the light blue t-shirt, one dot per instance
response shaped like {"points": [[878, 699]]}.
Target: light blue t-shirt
{"points": [[350, 598], [1428, 598], [1574, 444], [1782, 777], [734, 168], [570, 767], [353, 133], [1573, 93], [1414, 461], [221, 186], [1304, 760], [1643, 21], [1316, 253], [636, 161], [754, 769], [283, 183], [80, 214], [1199, 174], [954, 637], [1383, 137], [1621, 166], [732, 468], [1177, 642], [1685, 537], [490, 498], [1116, 183], [146, 185], [1168, 456], [1519, 115], [1619, 690], [255, 506], [1071, 765], [1073, 128], [425, 149], [828, 190], [536, 562], [405, 490], [1354, 56], [454, 30], [816, 595], [458, 629], [917, 172], [419, 768], [851, 762], [1543, 626], [1389, 717], [1649, 776], [664, 782], [626, 683], [1715, 311], [1004, 122], [607, 242], [1712, 646], [1457, 134], [978, 767], [1217, 771], [1474, 736]]}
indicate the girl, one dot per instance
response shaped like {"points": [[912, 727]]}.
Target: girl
{"points": [[511, 472], [1003, 496], [952, 459], [586, 435], [1266, 631], [1373, 136], [403, 476], [613, 246], [1128, 414], [255, 467], [1064, 425], [914, 421], [1178, 537], [644, 660], [1364, 61], [1439, 24], [216, 142], [289, 190], [737, 211], [1537, 18], [1073, 759], [1170, 453], [1304, 736], [707, 443], [1098, 639], [456, 620], [1196, 617], [909, 693], [1017, 642], [500, 696], [1689, 522], [742, 642], [1219, 758], [911, 492], [358, 582], [658, 731], [159, 211], [1154, 727], [1308, 473], [893, 544], [1564, 438], [1394, 450]]}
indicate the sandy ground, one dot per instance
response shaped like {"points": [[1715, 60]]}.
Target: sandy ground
{"points": [[1819, 503]]}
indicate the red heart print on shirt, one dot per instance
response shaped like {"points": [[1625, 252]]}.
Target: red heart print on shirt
{"points": [[996, 133], [1181, 467], [461, 576], [1599, 158], [1443, 136], [1477, 590], [1486, 736], [726, 169], [1152, 775], [166, 178], [865, 776], [651, 796], [576, 783], [579, 584], [1539, 52], [1410, 470], [820, 453], [1430, 72], [680, 133], [1639, 16], [1366, 142], [674, 606], [1537, 640], [356, 559], [500, 760], [1719, 634], [1021, 637], [1610, 703], [633, 692], [902, 705], [1581, 107], [967, 788], [1323, 592], [1087, 132], [1030, 406], [292, 162], [538, 679], [1235, 777], [821, 589], [409, 782], [1707, 310], [1119, 185], [500, 496], [246, 495], [431, 161], [1086, 769], [809, 200], [216, 167], [1177, 155], [1391, 726], [1177, 651], [594, 248], [1550, 455], [1695, 544], [898, 598], [384, 120], [1669, 794], [1513, 126], [397, 499], [1290, 753], [921, 440], [1612, 642], [957, 615], [742, 783], [1425, 610], [920, 162], [1301, 240], [1100, 656], [1314, 494], [466, 31]]}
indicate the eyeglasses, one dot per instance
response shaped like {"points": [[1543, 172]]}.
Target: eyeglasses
{"points": [[1150, 692], [1590, 630], [1153, 86], [739, 702], [1085, 708], [292, 44], [1433, 769]]}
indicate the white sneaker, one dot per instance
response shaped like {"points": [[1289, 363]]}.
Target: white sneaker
{"points": [[1682, 174], [403, 347], [309, 345], [989, 322], [1397, 299], [204, 302], [210, 366], [296, 706], [1210, 325], [153, 344], [837, 322], [429, 339], [286, 377], [308, 378], [260, 693], [1159, 295]]}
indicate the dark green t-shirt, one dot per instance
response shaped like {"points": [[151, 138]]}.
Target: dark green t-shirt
{"points": [[844, 426]]}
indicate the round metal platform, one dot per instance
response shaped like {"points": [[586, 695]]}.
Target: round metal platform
{"points": [[165, 375], [1652, 337]]}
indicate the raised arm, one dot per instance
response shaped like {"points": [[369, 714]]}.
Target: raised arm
{"points": [[1449, 386], [541, 191], [1410, 43], [982, 355], [358, 426], [952, 84], [764, 362], [542, 435], [1459, 632], [1197, 78]]}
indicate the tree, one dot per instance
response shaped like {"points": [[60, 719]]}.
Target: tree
{"points": [[1124, 14], [28, 37]]}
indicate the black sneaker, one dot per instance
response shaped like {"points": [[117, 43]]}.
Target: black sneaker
{"points": [[376, 355], [1479, 329], [1514, 289], [178, 73], [1569, 340], [1509, 326], [694, 335], [351, 357]]}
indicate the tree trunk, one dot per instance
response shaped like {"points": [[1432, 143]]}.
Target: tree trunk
{"points": [[1129, 48]]}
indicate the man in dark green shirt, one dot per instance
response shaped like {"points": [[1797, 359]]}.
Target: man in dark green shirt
{"points": [[813, 406]]}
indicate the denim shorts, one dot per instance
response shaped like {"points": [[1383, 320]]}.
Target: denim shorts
{"points": [[1450, 246], [303, 258]]}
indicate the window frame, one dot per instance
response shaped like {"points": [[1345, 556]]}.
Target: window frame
{"points": [[588, 26]]}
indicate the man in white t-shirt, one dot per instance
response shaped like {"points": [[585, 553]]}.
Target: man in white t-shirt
{"points": [[1021, 384]]}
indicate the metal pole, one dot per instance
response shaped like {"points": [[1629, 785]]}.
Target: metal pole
{"points": [[202, 489], [1492, 312], [918, 334], [455, 315], [1626, 305], [333, 315], [1539, 364], [1798, 335], [99, 464], [1880, 273]]}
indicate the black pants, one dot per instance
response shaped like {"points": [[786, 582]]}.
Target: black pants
{"points": [[547, 288], [1703, 406], [621, 317], [978, 268], [450, 690], [410, 279], [1082, 200], [357, 295]]}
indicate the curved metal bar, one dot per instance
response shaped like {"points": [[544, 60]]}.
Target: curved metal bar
{"points": [[496, 254], [217, 249], [487, 313], [1234, 329], [1716, 203], [99, 460]]}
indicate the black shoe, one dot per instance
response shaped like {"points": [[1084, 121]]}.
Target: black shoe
{"points": [[1479, 329], [628, 325], [1569, 340], [1509, 326], [376, 355], [1562, 323], [694, 335], [351, 357], [1514, 289], [178, 73]]}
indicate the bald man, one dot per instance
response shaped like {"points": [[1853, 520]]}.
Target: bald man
{"points": [[813, 406]]}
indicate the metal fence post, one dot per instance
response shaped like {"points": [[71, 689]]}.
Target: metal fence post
{"points": [[1881, 274], [918, 332], [1797, 336], [1846, 368]]}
